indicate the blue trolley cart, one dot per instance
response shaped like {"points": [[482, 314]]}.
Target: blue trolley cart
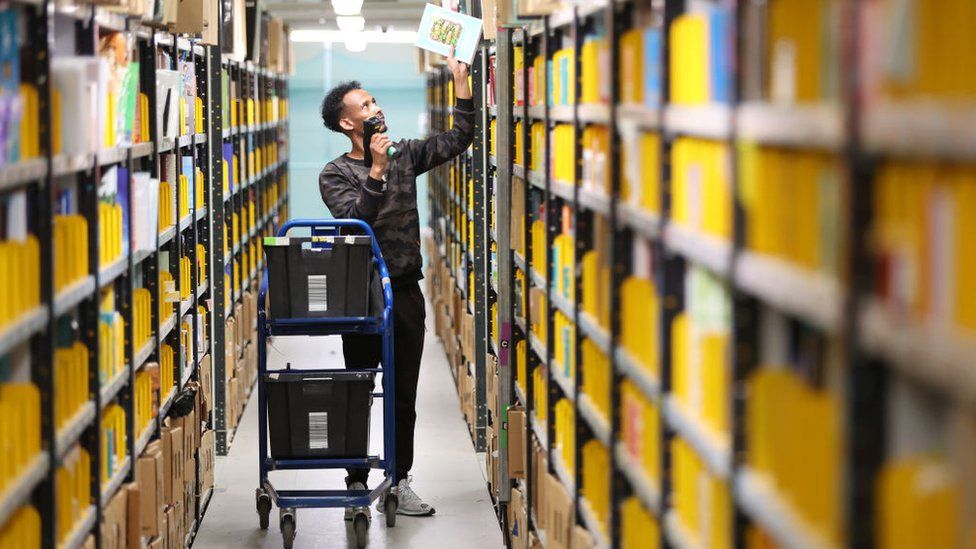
{"points": [[381, 323]]}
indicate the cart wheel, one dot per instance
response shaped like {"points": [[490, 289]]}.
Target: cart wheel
{"points": [[263, 503], [361, 525], [390, 510], [288, 527], [288, 534]]}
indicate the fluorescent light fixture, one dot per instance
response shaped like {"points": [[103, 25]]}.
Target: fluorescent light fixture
{"points": [[347, 7], [355, 42], [351, 23], [370, 37]]}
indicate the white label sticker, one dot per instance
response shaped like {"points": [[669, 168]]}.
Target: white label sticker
{"points": [[318, 430], [318, 300]]}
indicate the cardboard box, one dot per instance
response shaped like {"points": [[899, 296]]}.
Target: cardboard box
{"points": [[246, 363], [465, 393], [460, 309], [189, 502], [230, 404], [244, 307], [189, 16], [445, 313], [516, 442], [436, 306], [490, 22], [468, 403], [582, 539], [291, 62], [491, 450], [133, 502], [251, 315], [170, 12], [467, 334], [540, 469], [518, 215], [178, 532], [430, 245], [190, 474], [242, 324], [230, 351], [252, 362], [471, 411], [172, 527], [442, 278], [206, 386], [497, 465], [276, 45], [449, 342], [172, 438], [462, 388], [538, 7], [504, 14], [429, 283], [518, 521], [149, 478], [206, 456], [113, 527], [211, 23], [561, 516], [536, 308], [189, 427]]}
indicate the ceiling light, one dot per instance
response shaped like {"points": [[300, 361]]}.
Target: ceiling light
{"points": [[370, 36], [355, 42], [347, 7], [351, 23]]}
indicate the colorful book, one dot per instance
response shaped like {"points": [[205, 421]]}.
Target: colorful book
{"points": [[442, 29]]}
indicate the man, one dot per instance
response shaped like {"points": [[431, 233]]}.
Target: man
{"points": [[385, 196]]}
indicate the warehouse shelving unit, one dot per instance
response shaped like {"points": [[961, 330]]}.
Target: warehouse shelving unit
{"points": [[255, 198], [823, 326], [28, 343], [454, 204]]}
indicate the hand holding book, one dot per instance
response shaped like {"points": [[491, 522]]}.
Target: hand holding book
{"points": [[459, 70], [444, 32]]}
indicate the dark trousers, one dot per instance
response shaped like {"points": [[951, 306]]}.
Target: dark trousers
{"points": [[362, 351]]}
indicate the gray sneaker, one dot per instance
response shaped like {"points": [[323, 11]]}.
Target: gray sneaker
{"points": [[408, 502], [351, 511]]}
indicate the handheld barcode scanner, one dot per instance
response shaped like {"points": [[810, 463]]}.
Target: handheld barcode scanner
{"points": [[373, 125]]}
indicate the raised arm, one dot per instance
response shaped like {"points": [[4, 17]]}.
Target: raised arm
{"points": [[435, 150]]}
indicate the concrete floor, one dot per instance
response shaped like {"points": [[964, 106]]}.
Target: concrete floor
{"points": [[447, 472]]}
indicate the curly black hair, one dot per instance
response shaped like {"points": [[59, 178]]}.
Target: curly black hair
{"points": [[332, 105]]}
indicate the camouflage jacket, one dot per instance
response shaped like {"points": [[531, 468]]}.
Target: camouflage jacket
{"points": [[349, 192]]}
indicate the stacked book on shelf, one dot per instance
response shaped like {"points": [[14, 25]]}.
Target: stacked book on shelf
{"points": [[111, 211], [737, 236]]}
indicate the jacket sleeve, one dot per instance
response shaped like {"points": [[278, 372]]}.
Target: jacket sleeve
{"points": [[435, 150], [347, 198]]}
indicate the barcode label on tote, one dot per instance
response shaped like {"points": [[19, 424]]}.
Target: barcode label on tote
{"points": [[318, 300], [318, 430]]}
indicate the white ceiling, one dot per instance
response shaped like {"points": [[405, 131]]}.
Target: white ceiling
{"points": [[299, 14]]}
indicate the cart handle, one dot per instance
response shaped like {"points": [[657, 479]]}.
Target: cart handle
{"points": [[377, 255]]}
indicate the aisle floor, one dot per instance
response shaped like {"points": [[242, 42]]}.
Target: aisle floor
{"points": [[447, 473]]}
